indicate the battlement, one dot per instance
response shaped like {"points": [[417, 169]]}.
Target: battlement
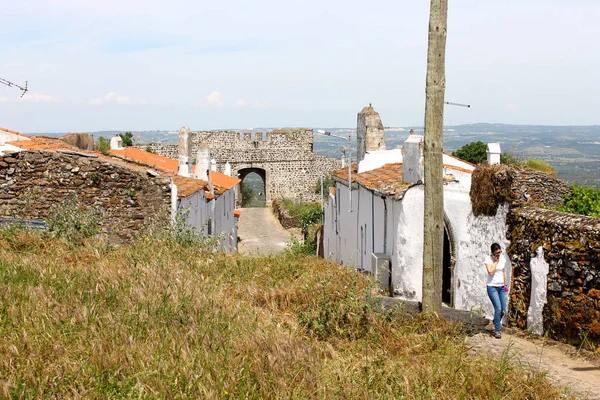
{"points": [[300, 139]]}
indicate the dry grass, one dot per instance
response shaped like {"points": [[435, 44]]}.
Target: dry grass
{"points": [[161, 321]]}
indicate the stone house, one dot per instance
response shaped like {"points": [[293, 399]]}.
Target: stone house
{"points": [[128, 189]]}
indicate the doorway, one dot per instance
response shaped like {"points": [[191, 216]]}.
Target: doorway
{"points": [[447, 270], [253, 187]]}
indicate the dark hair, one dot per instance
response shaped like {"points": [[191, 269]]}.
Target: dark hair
{"points": [[495, 247]]}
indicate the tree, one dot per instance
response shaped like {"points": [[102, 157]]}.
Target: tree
{"points": [[102, 145], [248, 195], [127, 138], [433, 227], [474, 152]]}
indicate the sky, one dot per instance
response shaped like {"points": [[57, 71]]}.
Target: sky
{"points": [[160, 65]]}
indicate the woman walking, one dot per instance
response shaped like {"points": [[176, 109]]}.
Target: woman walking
{"points": [[496, 285]]}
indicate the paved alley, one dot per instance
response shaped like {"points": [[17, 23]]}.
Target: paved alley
{"points": [[260, 232]]}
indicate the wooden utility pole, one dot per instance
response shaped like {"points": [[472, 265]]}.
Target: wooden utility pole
{"points": [[433, 239]]}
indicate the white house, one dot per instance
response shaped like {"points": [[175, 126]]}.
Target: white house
{"points": [[383, 215], [210, 209]]}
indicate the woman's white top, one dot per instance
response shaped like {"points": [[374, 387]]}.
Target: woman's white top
{"points": [[498, 278]]}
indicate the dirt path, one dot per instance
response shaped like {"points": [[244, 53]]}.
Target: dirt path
{"points": [[260, 232], [564, 368]]}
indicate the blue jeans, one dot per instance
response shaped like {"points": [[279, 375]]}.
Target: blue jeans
{"points": [[498, 297]]}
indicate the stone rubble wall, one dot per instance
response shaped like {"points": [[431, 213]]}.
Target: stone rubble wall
{"points": [[33, 182], [532, 188], [571, 246], [291, 167]]}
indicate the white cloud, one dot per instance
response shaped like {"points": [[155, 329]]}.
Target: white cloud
{"points": [[111, 97], [215, 99], [241, 103], [3, 99], [40, 98]]}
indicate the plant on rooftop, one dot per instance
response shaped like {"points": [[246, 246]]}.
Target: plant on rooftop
{"points": [[539, 165], [532, 163], [474, 152], [160, 320]]}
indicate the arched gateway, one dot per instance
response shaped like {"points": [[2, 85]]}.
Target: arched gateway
{"points": [[289, 166]]}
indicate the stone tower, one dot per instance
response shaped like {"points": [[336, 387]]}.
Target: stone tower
{"points": [[369, 132]]}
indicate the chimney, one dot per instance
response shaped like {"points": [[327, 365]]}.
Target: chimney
{"points": [[227, 169], [185, 152], [493, 153], [116, 143], [369, 132], [412, 162], [203, 161], [213, 165]]}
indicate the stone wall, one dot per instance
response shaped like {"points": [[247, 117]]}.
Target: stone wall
{"points": [[493, 185], [291, 167], [571, 246], [33, 182]]}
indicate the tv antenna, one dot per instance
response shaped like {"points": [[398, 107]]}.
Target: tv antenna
{"points": [[457, 104], [10, 84]]}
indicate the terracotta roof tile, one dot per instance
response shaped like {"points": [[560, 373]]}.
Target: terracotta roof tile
{"points": [[154, 160], [221, 181], [386, 180], [187, 186]]}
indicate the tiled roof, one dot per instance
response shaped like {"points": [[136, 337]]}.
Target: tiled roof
{"points": [[226, 181], [187, 186], [221, 181], [386, 180], [153, 160], [45, 143]]}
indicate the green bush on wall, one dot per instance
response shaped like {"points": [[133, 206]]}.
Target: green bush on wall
{"points": [[584, 200]]}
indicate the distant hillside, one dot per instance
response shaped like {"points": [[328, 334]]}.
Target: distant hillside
{"points": [[574, 151]]}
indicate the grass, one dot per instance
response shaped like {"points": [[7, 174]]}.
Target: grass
{"points": [[159, 320]]}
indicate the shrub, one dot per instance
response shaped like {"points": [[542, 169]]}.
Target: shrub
{"points": [[103, 145], [539, 165], [309, 215], [127, 138], [73, 222], [474, 152], [248, 195], [584, 200], [328, 181], [510, 159], [297, 247]]}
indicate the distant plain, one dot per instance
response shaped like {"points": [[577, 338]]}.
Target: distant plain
{"points": [[574, 151]]}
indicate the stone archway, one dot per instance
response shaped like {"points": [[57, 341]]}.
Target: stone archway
{"points": [[254, 182]]}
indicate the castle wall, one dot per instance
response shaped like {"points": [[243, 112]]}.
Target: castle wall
{"points": [[291, 167]]}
